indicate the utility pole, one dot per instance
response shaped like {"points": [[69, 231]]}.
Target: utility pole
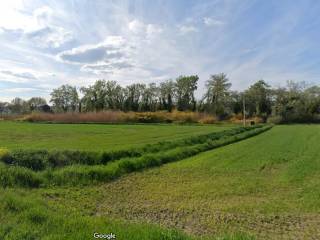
{"points": [[244, 110]]}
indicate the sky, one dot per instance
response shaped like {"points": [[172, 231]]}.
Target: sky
{"points": [[44, 44]]}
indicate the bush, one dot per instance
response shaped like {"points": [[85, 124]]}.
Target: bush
{"points": [[33, 159], [275, 120], [66, 157], [208, 120]]}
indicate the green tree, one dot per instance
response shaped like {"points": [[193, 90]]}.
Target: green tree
{"points": [[18, 106], [65, 98], [94, 96], [150, 98], [258, 99], [114, 95], [185, 87], [35, 103], [166, 95], [133, 95], [217, 95]]}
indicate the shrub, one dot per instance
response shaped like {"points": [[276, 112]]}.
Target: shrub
{"points": [[208, 120], [275, 120], [3, 152], [66, 157], [32, 159]]}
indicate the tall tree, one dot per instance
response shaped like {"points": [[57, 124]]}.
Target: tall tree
{"points": [[258, 99], [94, 98], [150, 98], [134, 94], [65, 98], [185, 87], [217, 94], [18, 106], [167, 91], [35, 103]]}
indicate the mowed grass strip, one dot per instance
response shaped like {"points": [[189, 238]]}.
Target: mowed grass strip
{"points": [[267, 186], [94, 137], [79, 174]]}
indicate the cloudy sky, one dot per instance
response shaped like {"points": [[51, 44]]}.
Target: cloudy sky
{"points": [[44, 44]]}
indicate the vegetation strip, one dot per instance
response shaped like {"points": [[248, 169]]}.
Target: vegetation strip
{"points": [[83, 175], [39, 160]]}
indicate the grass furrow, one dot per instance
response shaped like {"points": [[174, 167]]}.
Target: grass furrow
{"points": [[39, 160], [85, 174]]}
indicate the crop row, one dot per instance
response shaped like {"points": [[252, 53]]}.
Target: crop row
{"points": [[39, 160], [77, 174]]}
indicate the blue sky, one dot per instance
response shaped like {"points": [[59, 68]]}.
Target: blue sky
{"points": [[45, 44]]}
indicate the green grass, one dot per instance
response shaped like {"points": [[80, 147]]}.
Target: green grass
{"points": [[25, 217], [266, 186], [93, 137], [31, 215], [39, 168]]}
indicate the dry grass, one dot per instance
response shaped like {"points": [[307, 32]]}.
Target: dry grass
{"points": [[122, 117], [238, 119]]}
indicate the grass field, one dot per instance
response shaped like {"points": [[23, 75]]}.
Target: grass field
{"points": [[95, 137], [266, 187]]}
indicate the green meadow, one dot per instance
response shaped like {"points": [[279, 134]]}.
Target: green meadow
{"points": [[200, 182], [95, 137]]}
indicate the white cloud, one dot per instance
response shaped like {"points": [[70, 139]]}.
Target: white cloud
{"points": [[11, 16], [18, 76], [136, 26], [43, 15], [212, 22], [185, 29], [24, 75], [106, 67], [50, 36], [146, 31], [18, 90], [36, 27], [113, 47]]}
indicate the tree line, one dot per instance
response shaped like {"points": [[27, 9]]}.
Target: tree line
{"points": [[297, 102]]}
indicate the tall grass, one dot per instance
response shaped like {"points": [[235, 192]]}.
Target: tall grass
{"points": [[122, 117], [11, 176]]}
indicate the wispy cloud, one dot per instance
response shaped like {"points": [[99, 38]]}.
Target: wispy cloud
{"points": [[55, 42], [19, 75], [111, 48], [184, 29], [212, 22]]}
